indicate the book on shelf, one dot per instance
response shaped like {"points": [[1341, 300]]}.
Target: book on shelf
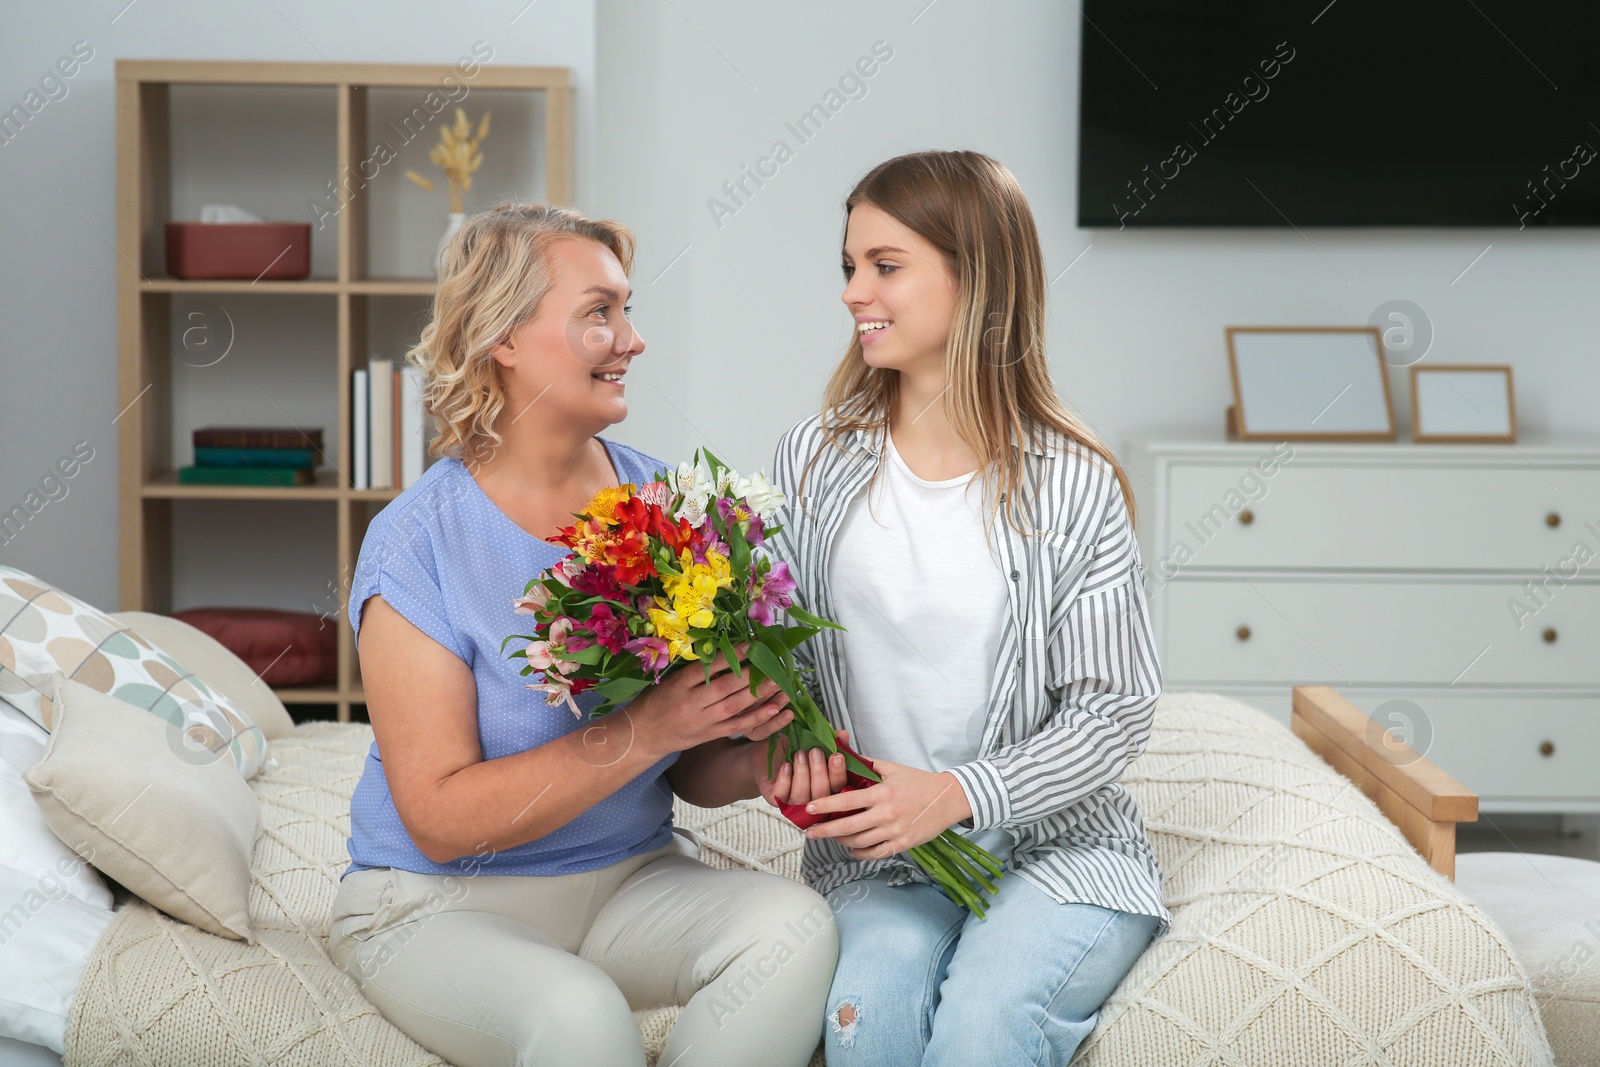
{"points": [[413, 435], [388, 426], [197, 475], [380, 449], [298, 458], [358, 430], [257, 437]]}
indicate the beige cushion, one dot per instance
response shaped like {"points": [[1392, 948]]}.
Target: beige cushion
{"points": [[215, 665], [1550, 909], [1304, 927], [176, 832], [44, 629]]}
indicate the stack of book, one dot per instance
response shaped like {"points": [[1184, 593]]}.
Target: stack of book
{"points": [[252, 455], [390, 444]]}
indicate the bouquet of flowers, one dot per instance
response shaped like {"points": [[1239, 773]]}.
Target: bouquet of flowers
{"points": [[673, 572]]}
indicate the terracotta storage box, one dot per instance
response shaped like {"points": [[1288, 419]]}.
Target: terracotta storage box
{"points": [[243, 250]]}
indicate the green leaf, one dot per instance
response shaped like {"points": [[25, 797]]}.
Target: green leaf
{"points": [[590, 655], [801, 615], [795, 636], [768, 663], [729, 654], [738, 554], [515, 637], [711, 461], [621, 690]]}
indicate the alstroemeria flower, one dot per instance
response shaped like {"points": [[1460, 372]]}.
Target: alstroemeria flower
{"points": [[655, 493], [532, 600], [760, 494], [598, 580], [775, 592], [653, 653], [673, 630], [609, 628]]}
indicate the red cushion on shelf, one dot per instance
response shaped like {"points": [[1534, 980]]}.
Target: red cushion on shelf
{"points": [[283, 647]]}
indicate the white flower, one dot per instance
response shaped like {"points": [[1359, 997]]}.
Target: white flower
{"points": [[692, 510], [763, 497], [726, 480], [696, 484]]}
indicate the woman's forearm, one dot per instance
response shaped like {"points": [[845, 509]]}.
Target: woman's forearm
{"points": [[715, 773], [498, 804]]}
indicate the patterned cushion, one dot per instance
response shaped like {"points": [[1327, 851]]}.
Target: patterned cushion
{"points": [[1305, 930], [44, 630]]}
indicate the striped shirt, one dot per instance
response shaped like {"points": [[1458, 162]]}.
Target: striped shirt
{"points": [[1075, 681]]}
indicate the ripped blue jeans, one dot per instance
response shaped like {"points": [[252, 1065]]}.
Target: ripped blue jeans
{"points": [[923, 981]]}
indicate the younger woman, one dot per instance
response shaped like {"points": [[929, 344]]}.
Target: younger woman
{"points": [[976, 540]]}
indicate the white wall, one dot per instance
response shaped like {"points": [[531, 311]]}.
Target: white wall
{"points": [[1136, 324], [58, 268], [673, 99]]}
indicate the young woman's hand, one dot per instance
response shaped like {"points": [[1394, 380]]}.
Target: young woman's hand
{"points": [[909, 807], [811, 774], [685, 710]]}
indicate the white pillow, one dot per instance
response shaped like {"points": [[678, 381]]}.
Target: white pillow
{"points": [[46, 938], [27, 844]]}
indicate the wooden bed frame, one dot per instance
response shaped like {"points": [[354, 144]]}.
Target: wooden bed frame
{"points": [[1418, 797]]}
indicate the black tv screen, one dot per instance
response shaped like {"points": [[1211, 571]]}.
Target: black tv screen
{"points": [[1350, 113]]}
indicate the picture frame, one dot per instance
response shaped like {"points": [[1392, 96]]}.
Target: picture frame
{"points": [[1463, 403], [1309, 383]]}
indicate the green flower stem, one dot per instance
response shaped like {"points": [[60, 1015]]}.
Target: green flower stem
{"points": [[969, 869], [932, 862], [980, 854]]}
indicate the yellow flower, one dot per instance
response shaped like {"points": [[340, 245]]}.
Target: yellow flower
{"points": [[692, 599], [696, 588], [674, 630], [604, 505]]}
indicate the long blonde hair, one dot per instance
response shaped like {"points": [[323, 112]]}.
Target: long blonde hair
{"points": [[494, 273], [998, 392]]}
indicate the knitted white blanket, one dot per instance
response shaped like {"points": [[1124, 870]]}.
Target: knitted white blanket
{"points": [[1305, 930]]}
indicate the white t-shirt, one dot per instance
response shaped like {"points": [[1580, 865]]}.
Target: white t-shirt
{"points": [[921, 595]]}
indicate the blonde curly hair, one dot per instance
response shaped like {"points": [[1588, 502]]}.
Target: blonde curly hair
{"points": [[494, 272]]}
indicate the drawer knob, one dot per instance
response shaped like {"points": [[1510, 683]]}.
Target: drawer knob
{"points": [[1549, 635], [1246, 517], [1242, 633], [1553, 519], [1547, 748]]}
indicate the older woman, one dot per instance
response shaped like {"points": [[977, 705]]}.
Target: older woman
{"points": [[516, 886]]}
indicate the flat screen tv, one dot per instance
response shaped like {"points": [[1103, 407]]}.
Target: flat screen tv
{"points": [[1350, 113]]}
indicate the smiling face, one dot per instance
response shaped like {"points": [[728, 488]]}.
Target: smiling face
{"points": [[901, 291], [568, 361]]}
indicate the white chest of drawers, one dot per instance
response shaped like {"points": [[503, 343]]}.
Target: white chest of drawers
{"points": [[1450, 591]]}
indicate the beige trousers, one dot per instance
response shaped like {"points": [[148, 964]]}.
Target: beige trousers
{"points": [[528, 970]]}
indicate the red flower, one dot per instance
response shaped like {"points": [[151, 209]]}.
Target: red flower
{"points": [[596, 580]]}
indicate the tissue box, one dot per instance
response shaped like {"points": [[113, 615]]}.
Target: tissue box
{"points": [[247, 250]]}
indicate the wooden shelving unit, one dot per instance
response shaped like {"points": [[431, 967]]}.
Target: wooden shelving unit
{"points": [[149, 489]]}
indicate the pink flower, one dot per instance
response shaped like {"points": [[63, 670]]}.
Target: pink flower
{"points": [[652, 653], [749, 522], [558, 689], [539, 657], [776, 591], [566, 570], [532, 600], [609, 628], [655, 493]]}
